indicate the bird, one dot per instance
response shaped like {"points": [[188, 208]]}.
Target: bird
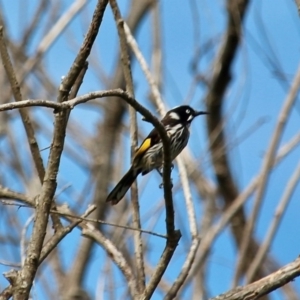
{"points": [[149, 155]]}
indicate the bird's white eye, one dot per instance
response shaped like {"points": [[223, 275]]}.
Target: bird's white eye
{"points": [[188, 111]]}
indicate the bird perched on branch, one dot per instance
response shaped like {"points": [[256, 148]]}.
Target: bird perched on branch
{"points": [[149, 155]]}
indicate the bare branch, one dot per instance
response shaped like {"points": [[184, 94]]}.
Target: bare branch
{"points": [[215, 230], [162, 264], [61, 233], [166, 144], [265, 171], [61, 210], [84, 51], [281, 208], [154, 89], [51, 36], [265, 285], [138, 243], [186, 268], [115, 254], [33, 145]]}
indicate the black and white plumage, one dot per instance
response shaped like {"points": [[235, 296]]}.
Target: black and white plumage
{"points": [[149, 155]]}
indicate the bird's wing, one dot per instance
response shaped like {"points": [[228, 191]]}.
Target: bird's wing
{"points": [[150, 140]]}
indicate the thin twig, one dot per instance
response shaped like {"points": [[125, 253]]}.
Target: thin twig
{"points": [[35, 23], [188, 197], [136, 220], [265, 172], [10, 264], [24, 279], [23, 238], [166, 144], [221, 77], [265, 285], [55, 31], [70, 104], [156, 60], [78, 82], [144, 66], [115, 255], [84, 52], [186, 268], [173, 236], [30, 203], [212, 233], [281, 208], [33, 145], [162, 265], [61, 233]]}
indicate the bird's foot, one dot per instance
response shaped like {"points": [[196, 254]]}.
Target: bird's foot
{"points": [[162, 184], [161, 170]]}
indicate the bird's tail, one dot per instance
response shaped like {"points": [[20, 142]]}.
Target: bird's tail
{"points": [[122, 187]]}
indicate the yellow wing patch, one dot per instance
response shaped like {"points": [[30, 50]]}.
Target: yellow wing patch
{"points": [[143, 148]]}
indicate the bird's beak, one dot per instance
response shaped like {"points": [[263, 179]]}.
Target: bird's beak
{"points": [[198, 113]]}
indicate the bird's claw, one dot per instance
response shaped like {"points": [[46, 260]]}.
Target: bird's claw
{"points": [[162, 184], [161, 170]]}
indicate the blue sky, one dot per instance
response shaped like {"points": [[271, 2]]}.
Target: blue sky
{"points": [[270, 45]]}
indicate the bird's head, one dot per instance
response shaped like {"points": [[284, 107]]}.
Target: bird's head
{"points": [[183, 114]]}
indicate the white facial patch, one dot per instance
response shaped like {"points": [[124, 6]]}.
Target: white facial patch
{"points": [[174, 115], [190, 117], [187, 111]]}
